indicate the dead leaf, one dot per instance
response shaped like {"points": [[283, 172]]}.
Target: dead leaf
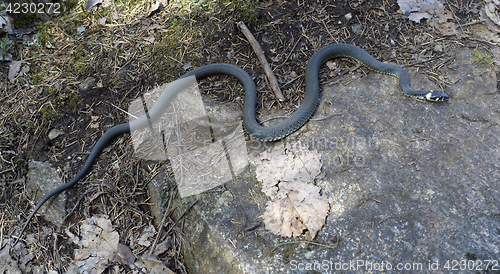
{"points": [[147, 233], [496, 53], [157, 7], [5, 56], [331, 64], [419, 9], [24, 70], [102, 21], [290, 162], [7, 263], [163, 246], [98, 245], [17, 70], [87, 84], [153, 265], [124, 255], [54, 133], [287, 173], [492, 28], [302, 207], [24, 31], [187, 66], [417, 16], [150, 39], [491, 9], [6, 23], [449, 29], [94, 122], [446, 25]]}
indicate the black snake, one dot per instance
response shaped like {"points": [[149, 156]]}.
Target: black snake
{"points": [[252, 127]]}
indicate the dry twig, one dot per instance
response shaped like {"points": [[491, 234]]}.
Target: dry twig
{"points": [[262, 58]]}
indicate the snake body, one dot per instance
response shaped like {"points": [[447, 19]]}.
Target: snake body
{"points": [[252, 127]]}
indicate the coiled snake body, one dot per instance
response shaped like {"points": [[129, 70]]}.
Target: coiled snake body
{"points": [[252, 127]]}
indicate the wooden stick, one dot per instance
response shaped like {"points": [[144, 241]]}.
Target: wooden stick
{"points": [[262, 58]]}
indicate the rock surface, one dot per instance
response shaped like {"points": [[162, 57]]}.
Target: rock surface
{"points": [[411, 185], [42, 179]]}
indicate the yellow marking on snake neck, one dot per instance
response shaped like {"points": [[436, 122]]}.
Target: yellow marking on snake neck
{"points": [[428, 96]]}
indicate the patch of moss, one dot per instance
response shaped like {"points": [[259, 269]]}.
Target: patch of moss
{"points": [[21, 165], [119, 82], [51, 91], [471, 256], [248, 10], [80, 56], [68, 5], [74, 100], [37, 79], [241, 10], [47, 113], [24, 20], [163, 61], [289, 252], [44, 36], [482, 58]]}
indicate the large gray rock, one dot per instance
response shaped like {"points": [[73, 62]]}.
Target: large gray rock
{"points": [[410, 184], [42, 179]]}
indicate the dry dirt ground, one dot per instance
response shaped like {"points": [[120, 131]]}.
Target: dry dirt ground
{"points": [[132, 50]]}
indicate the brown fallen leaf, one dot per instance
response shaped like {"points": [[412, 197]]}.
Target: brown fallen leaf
{"points": [[98, 244], [157, 6], [147, 235], [5, 56], [153, 265], [491, 9], [163, 246], [302, 207], [416, 10], [6, 23], [445, 25], [287, 173], [124, 255], [16, 69], [292, 162], [7, 263]]}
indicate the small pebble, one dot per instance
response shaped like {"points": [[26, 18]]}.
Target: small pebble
{"points": [[438, 48], [348, 16], [55, 133], [102, 21], [87, 84]]}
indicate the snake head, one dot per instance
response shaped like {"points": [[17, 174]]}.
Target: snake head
{"points": [[436, 96]]}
